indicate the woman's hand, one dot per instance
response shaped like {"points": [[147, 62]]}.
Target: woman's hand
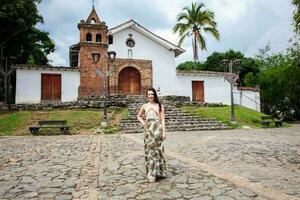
{"points": [[163, 136]]}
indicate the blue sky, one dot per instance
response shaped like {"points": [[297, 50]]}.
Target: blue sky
{"points": [[244, 25]]}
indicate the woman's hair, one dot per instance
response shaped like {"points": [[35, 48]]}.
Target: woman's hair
{"points": [[155, 97]]}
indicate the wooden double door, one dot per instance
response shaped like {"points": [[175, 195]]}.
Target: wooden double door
{"points": [[51, 87], [198, 91], [129, 81]]}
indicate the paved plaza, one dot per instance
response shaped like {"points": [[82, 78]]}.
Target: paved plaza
{"points": [[222, 165]]}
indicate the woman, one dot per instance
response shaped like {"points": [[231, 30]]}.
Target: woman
{"points": [[154, 136]]}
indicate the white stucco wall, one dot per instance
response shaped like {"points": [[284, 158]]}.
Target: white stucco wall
{"points": [[163, 59], [216, 88], [247, 98], [28, 85]]}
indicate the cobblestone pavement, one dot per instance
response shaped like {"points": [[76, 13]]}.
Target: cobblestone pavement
{"points": [[235, 164]]}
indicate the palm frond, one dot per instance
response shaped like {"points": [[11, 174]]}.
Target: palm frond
{"points": [[201, 40], [214, 32], [182, 39]]}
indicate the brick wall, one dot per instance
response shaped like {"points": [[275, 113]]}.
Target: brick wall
{"points": [[90, 83], [143, 66]]}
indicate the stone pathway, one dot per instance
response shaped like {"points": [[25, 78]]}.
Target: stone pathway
{"points": [[235, 164]]}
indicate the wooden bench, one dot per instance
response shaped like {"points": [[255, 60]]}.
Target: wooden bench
{"points": [[61, 124], [267, 120]]}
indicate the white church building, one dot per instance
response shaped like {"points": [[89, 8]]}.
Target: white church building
{"points": [[143, 60]]}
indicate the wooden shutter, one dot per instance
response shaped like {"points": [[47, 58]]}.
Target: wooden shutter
{"points": [[51, 87], [198, 91]]}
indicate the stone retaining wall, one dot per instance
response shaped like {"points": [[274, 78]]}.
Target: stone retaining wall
{"points": [[98, 102]]}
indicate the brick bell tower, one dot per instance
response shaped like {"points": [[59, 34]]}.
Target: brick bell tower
{"points": [[93, 47]]}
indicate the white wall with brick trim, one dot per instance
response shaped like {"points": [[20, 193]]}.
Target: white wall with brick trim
{"points": [[28, 85]]}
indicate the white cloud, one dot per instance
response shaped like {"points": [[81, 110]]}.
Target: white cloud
{"points": [[56, 59], [228, 11], [273, 35]]}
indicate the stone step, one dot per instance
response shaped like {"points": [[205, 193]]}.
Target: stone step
{"points": [[175, 122], [178, 127], [170, 114], [175, 118], [136, 108], [181, 129]]}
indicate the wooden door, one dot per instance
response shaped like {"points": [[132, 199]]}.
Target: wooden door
{"points": [[130, 81], [198, 91], [51, 87]]}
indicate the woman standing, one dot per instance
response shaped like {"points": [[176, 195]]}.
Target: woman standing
{"points": [[154, 136]]}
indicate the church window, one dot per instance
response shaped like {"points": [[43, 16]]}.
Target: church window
{"points": [[98, 38], [130, 42], [110, 39], [88, 37], [129, 53]]}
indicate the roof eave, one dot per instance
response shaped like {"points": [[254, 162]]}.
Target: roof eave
{"points": [[131, 23]]}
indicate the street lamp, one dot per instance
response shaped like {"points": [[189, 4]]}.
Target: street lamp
{"points": [[111, 56], [96, 57], [105, 75], [231, 80]]}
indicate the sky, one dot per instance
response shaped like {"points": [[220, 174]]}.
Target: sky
{"points": [[244, 25]]}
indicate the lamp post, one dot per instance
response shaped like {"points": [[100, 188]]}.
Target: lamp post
{"points": [[231, 80], [105, 75]]}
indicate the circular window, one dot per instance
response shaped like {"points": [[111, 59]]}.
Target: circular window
{"points": [[130, 42]]}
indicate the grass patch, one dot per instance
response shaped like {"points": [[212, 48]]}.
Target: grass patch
{"points": [[110, 129], [12, 121], [80, 121], [244, 116]]}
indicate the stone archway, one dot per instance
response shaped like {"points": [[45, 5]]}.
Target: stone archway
{"points": [[129, 81]]}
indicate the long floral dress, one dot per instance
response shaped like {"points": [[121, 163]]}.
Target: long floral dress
{"points": [[154, 145]]}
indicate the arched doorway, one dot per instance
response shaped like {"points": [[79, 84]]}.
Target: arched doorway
{"points": [[129, 81]]}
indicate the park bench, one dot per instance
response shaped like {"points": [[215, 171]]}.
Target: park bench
{"points": [[61, 124], [267, 120]]}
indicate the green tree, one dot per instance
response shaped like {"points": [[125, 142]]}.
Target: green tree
{"points": [[18, 33], [251, 79], [294, 49], [247, 65], [193, 22], [296, 16], [279, 83], [189, 65], [212, 62]]}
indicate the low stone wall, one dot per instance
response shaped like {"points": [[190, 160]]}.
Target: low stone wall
{"points": [[98, 102]]}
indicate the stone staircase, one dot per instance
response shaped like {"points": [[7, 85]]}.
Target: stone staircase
{"points": [[176, 120]]}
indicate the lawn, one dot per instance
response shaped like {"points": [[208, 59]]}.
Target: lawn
{"points": [[244, 116], [80, 121]]}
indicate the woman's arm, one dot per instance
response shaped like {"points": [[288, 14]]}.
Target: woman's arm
{"points": [[140, 115], [162, 117]]}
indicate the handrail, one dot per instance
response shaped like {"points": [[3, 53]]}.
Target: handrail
{"points": [[248, 98]]}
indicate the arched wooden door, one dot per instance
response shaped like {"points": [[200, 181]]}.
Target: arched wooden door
{"points": [[130, 81]]}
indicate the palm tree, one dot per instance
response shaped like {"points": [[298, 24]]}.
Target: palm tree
{"points": [[193, 21]]}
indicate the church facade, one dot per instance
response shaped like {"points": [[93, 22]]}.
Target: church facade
{"points": [[143, 60]]}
